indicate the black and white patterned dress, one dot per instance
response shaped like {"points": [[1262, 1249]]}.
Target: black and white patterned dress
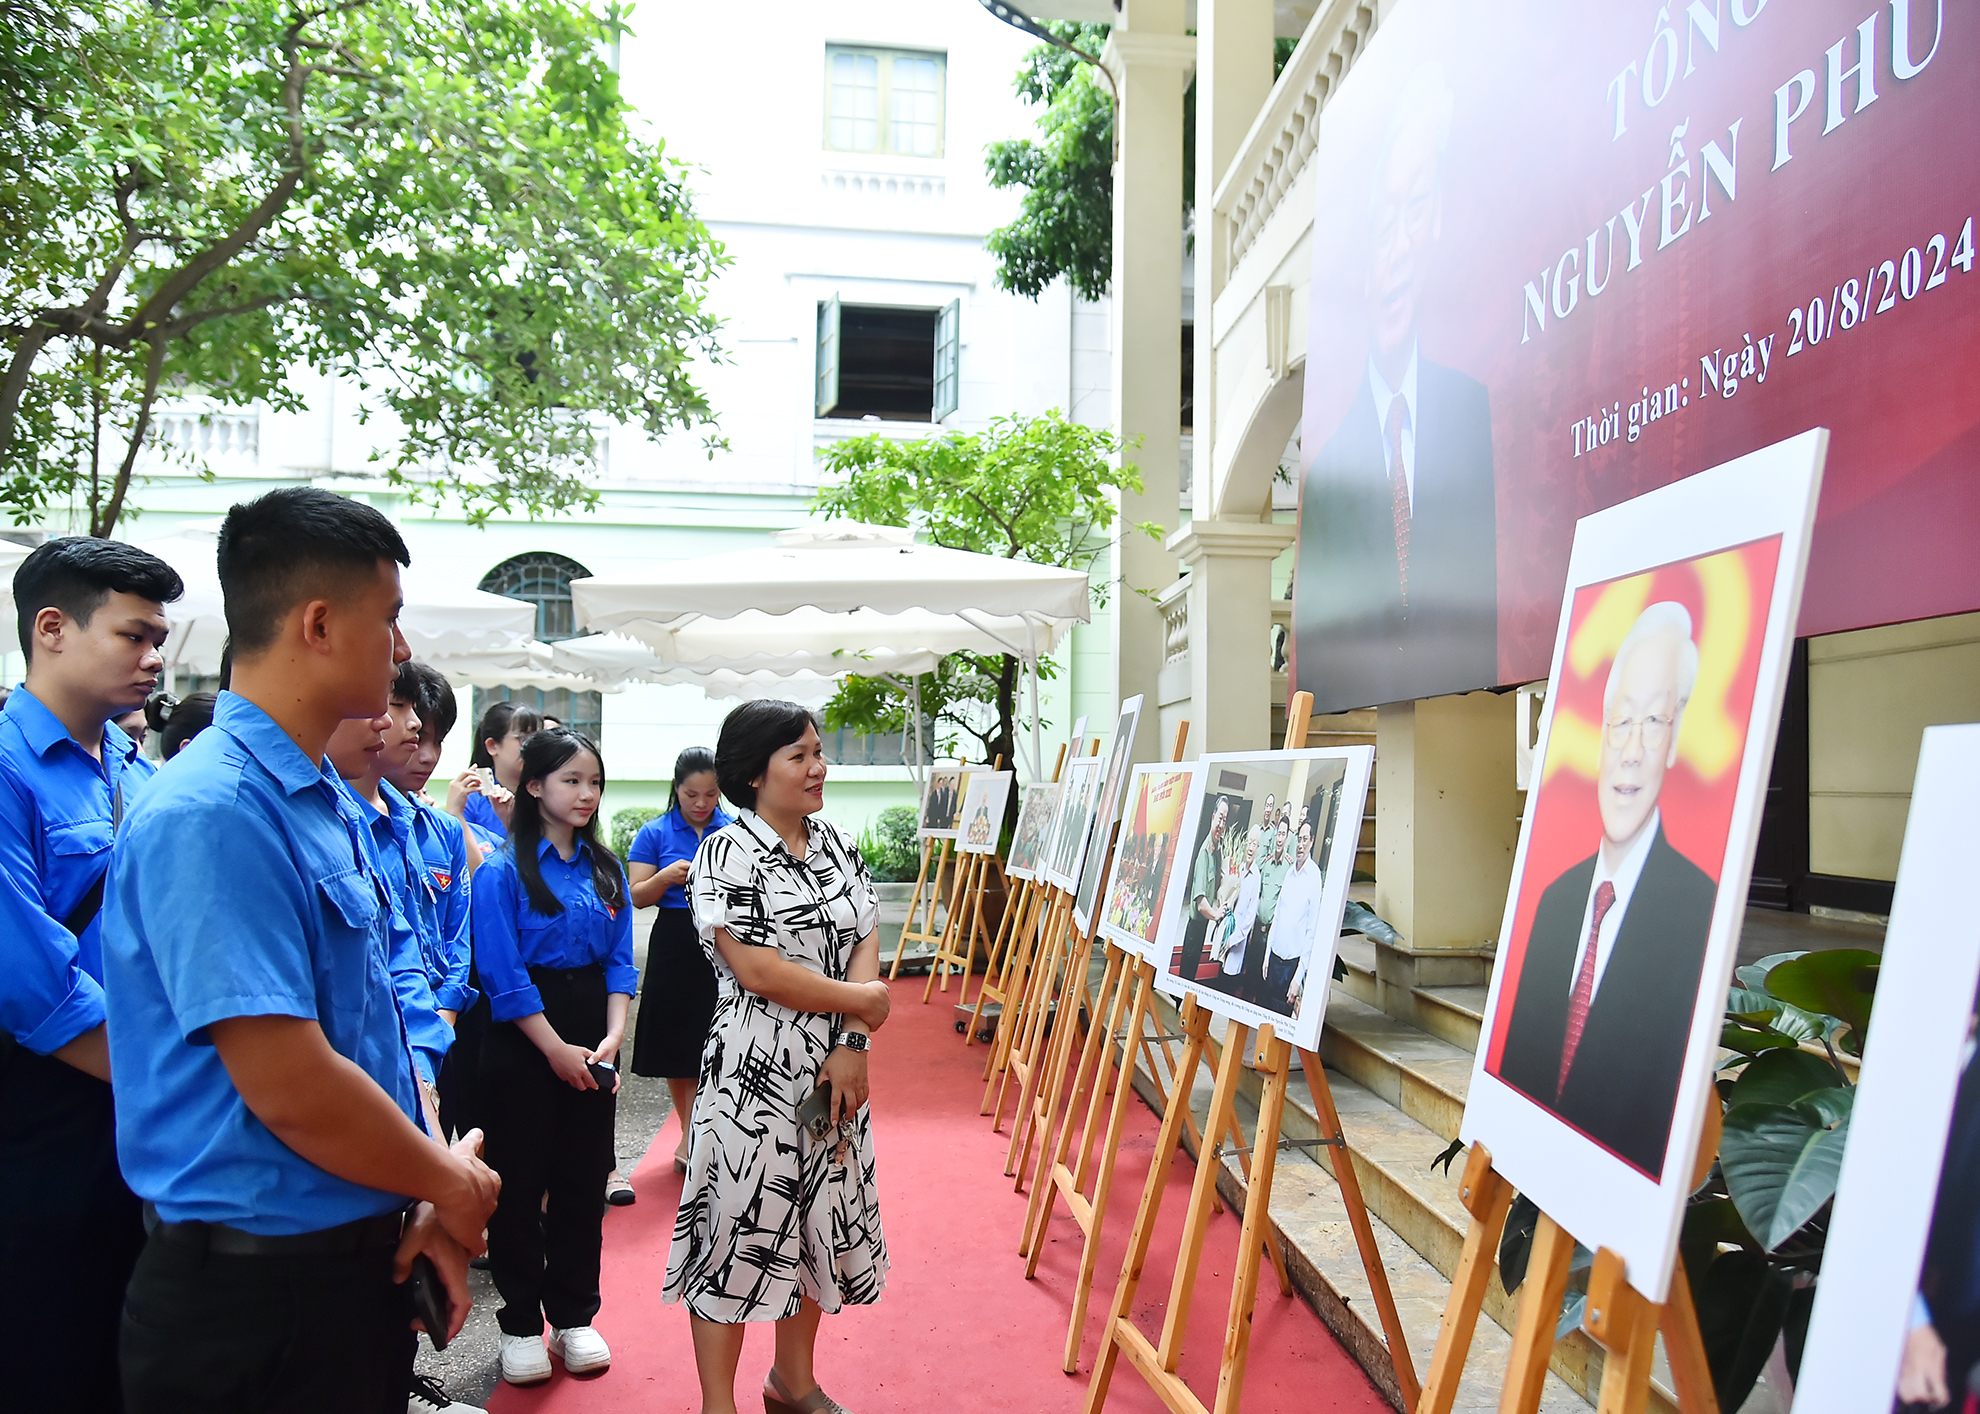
{"points": [[767, 1214]]}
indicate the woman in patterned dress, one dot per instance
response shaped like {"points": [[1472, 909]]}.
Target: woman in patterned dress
{"points": [[774, 1225]]}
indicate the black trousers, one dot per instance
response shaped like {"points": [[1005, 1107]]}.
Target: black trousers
{"points": [[70, 1231], [546, 1138], [1194, 933], [211, 1334], [1252, 984], [460, 1081], [1279, 973]]}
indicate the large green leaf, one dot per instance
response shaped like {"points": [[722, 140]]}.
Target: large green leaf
{"points": [[1754, 974], [1742, 1303], [1841, 982], [1784, 1078], [1781, 1163], [1752, 1041]]}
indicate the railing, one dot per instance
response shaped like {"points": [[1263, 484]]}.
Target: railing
{"points": [[883, 185], [1281, 141], [209, 436], [1174, 604]]}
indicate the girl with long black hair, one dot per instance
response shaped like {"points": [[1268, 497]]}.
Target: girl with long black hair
{"points": [[483, 795], [552, 917]]}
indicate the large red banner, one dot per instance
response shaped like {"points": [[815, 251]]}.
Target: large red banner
{"points": [[1566, 254]]}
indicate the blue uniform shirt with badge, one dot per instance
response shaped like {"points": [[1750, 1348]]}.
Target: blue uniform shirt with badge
{"points": [[242, 887], [510, 936], [441, 842], [389, 834], [56, 802], [479, 813]]}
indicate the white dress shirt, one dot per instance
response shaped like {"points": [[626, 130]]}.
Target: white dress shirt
{"points": [[1624, 878], [1244, 914], [1384, 395]]}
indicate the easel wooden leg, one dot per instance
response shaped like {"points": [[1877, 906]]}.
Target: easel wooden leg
{"points": [[1061, 1100], [1223, 1109], [914, 902], [1016, 981], [1486, 1197], [1539, 1311], [997, 969], [1073, 998], [1257, 1228], [1043, 1000], [1684, 1345], [1120, 1325], [1625, 1325], [1364, 1232]]}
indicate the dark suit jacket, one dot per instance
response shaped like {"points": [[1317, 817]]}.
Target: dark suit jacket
{"points": [[1623, 1085], [1950, 1281], [1354, 644]]}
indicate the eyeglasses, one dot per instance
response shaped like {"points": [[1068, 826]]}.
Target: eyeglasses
{"points": [[1656, 730]]}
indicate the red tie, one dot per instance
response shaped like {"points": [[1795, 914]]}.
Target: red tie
{"points": [[1399, 493], [1584, 981]]}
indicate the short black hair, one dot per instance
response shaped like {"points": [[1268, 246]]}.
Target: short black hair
{"points": [[431, 695], [750, 736], [291, 546], [497, 722], [77, 573]]}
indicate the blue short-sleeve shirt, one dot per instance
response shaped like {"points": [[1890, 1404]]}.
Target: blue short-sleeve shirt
{"points": [[669, 838], [510, 936], [480, 814], [242, 886], [441, 844], [55, 813], [390, 835]]}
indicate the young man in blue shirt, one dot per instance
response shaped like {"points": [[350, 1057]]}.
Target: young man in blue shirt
{"points": [[271, 1118], [91, 619]]}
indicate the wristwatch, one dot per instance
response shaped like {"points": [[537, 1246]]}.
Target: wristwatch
{"points": [[856, 1041]]}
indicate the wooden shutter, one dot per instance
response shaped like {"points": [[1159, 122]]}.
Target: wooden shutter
{"points": [[828, 356], [948, 360]]}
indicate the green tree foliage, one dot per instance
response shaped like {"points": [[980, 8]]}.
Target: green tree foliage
{"points": [[1065, 224], [444, 201], [1040, 489]]}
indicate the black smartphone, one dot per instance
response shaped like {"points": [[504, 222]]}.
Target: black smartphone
{"points": [[431, 1303], [603, 1072]]}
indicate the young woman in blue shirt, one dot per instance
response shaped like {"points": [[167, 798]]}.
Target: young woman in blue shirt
{"points": [[483, 795], [552, 921], [677, 995]]}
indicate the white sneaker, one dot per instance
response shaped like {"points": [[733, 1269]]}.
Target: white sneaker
{"points": [[524, 1360], [584, 1349], [426, 1397]]}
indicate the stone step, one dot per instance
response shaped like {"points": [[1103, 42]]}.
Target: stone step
{"points": [[1400, 1094], [1452, 1014]]}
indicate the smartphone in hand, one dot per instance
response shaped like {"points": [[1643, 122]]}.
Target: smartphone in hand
{"points": [[604, 1072], [431, 1303]]}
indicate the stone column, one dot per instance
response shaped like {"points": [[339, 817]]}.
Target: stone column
{"points": [[1150, 58], [1233, 82], [1230, 627]]}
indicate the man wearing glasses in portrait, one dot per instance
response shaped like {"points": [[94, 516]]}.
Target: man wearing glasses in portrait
{"points": [[1610, 978]]}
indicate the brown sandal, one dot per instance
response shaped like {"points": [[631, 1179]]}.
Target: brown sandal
{"points": [[778, 1400]]}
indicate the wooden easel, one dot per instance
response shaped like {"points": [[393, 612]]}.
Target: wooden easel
{"points": [[1158, 1361], [964, 929], [1010, 957], [926, 898], [1618, 1318]]}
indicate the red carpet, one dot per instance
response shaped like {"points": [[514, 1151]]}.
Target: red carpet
{"points": [[959, 1327]]}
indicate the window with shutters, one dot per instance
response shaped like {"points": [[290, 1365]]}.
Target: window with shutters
{"points": [[881, 361], [884, 100]]}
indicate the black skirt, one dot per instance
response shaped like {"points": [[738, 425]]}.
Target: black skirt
{"points": [[676, 1001]]}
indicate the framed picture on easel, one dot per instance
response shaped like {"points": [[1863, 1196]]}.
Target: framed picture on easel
{"points": [[1268, 846], [941, 801], [1596, 1054], [1144, 873], [1036, 811], [1094, 864], [1060, 867], [982, 819]]}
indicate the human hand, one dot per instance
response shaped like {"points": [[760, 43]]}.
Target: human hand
{"points": [[465, 1210], [845, 1072], [425, 1233], [571, 1064], [1922, 1372], [878, 1002], [607, 1052], [460, 788], [675, 874], [501, 799]]}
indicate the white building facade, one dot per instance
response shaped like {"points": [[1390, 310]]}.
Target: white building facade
{"points": [[839, 158]]}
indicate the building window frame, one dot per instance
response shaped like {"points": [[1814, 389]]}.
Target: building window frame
{"points": [[543, 578], [844, 122]]}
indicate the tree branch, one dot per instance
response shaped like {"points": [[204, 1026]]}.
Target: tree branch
{"points": [[15, 382], [105, 521]]}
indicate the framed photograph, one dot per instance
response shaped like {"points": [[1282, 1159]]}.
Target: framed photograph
{"points": [[941, 801], [1081, 789], [1623, 916], [1268, 846], [1144, 871], [984, 798], [1895, 1324], [1094, 862], [1036, 811]]}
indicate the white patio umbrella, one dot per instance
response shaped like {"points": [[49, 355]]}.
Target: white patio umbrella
{"points": [[530, 664], [841, 586], [440, 618]]}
